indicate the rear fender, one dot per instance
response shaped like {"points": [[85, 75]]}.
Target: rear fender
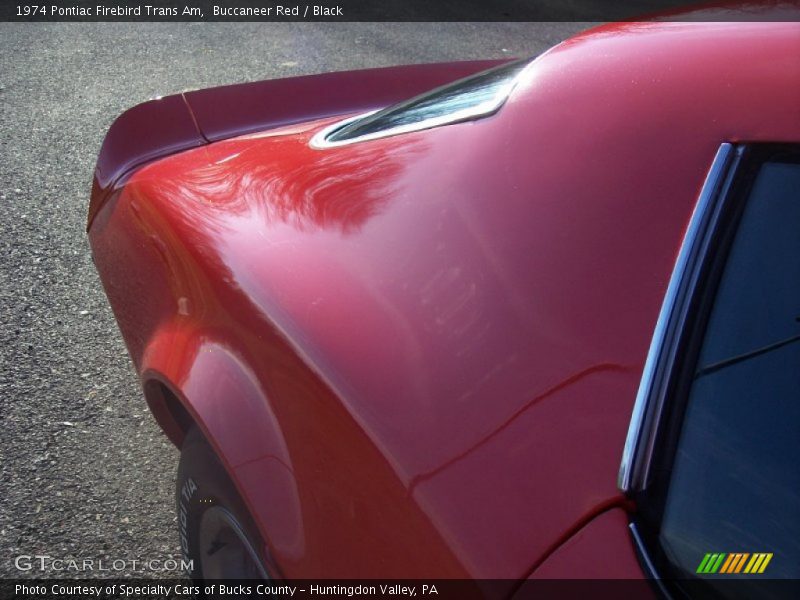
{"points": [[226, 401]]}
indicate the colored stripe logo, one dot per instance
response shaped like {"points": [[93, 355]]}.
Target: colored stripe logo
{"points": [[735, 562]]}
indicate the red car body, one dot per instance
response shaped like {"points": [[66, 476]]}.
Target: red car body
{"points": [[417, 356]]}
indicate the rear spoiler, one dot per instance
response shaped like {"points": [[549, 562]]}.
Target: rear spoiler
{"points": [[168, 125]]}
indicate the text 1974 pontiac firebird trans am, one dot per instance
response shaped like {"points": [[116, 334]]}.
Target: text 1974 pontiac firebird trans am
{"points": [[413, 338]]}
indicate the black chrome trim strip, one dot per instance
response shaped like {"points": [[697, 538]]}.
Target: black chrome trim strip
{"points": [[647, 565], [639, 444], [484, 109]]}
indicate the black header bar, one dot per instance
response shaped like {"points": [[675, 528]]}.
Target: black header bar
{"points": [[374, 589], [386, 10]]}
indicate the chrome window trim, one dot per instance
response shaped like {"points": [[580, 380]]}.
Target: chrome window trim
{"points": [[650, 399], [485, 109], [650, 571], [641, 551]]}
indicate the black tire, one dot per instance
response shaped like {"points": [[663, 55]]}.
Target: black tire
{"points": [[216, 532]]}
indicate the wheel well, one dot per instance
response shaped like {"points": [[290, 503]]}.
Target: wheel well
{"points": [[168, 410]]}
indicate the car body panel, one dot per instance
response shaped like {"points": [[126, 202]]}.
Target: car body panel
{"points": [[167, 125], [578, 557], [141, 134], [444, 330]]}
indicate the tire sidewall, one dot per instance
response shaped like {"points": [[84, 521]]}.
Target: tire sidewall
{"points": [[202, 483]]}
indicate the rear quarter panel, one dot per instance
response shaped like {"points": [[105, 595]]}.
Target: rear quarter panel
{"points": [[443, 331]]}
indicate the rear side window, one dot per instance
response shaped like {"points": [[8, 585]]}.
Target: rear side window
{"points": [[469, 98], [732, 505]]}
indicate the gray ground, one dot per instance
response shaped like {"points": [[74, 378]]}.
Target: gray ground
{"points": [[85, 472]]}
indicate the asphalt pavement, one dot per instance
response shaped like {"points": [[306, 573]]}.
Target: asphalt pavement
{"points": [[85, 472]]}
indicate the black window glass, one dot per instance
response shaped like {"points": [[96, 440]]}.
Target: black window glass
{"points": [[485, 88], [735, 482]]}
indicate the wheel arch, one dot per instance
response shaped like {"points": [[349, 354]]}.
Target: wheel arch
{"points": [[212, 387], [168, 409]]}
